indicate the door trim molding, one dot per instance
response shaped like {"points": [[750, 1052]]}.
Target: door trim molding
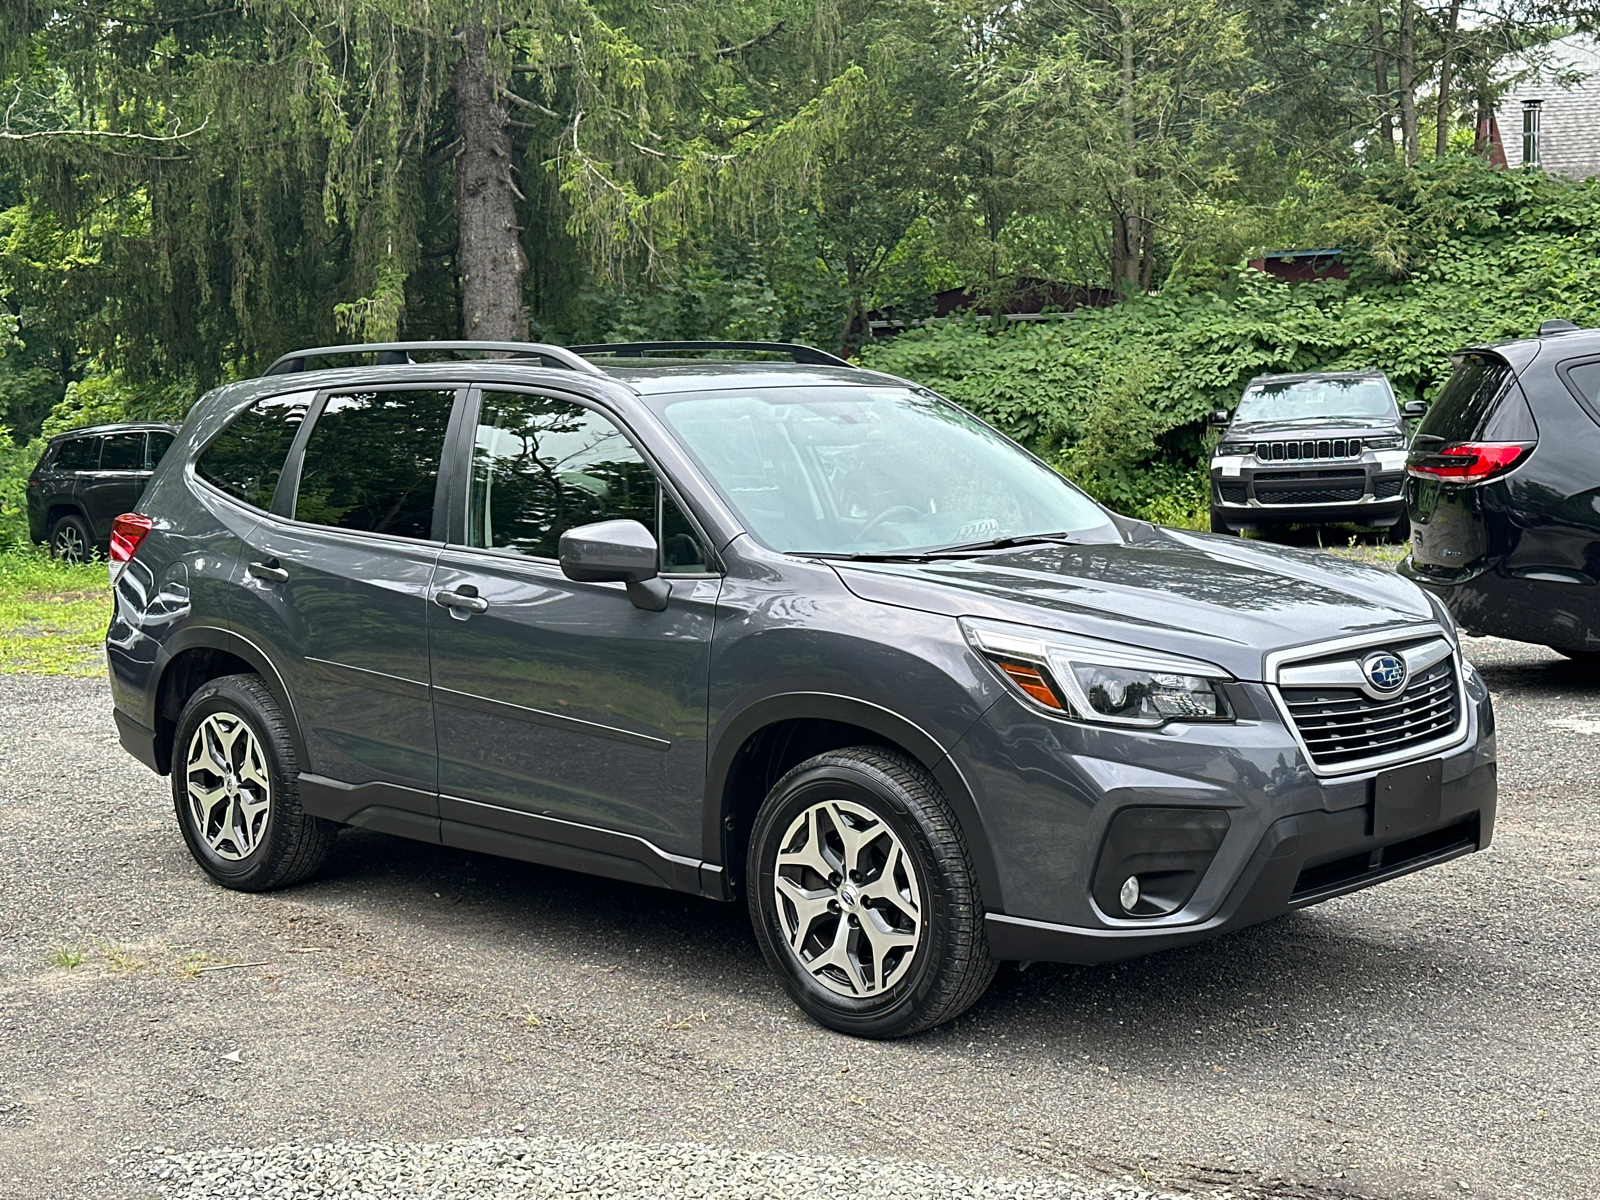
{"points": [[538, 716], [365, 677]]}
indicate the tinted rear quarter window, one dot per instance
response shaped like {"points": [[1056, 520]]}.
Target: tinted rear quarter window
{"points": [[372, 462], [1481, 402], [78, 454], [1584, 380], [160, 442], [247, 457]]}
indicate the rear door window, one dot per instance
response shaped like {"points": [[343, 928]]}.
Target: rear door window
{"points": [[371, 463], [1481, 402], [78, 454], [247, 457], [123, 452]]}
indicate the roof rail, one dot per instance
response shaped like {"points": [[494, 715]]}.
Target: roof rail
{"points": [[395, 353], [809, 355]]}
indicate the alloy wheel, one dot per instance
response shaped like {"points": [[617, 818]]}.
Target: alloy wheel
{"points": [[229, 786], [848, 899], [69, 545]]}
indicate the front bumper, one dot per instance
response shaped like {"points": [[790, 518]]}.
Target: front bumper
{"points": [[1050, 794], [1247, 492], [1301, 861]]}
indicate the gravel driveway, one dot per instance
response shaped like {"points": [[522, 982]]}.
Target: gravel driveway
{"points": [[501, 1029]]}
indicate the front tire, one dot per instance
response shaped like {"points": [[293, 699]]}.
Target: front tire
{"points": [[234, 786], [863, 895], [70, 540], [1218, 525]]}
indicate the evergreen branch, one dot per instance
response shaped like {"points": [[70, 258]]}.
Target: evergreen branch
{"points": [[520, 102], [7, 135]]}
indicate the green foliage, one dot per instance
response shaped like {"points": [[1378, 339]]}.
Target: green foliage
{"points": [[1119, 395], [53, 616]]}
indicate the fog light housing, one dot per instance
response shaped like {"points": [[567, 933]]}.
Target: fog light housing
{"points": [[1152, 859], [1129, 894]]}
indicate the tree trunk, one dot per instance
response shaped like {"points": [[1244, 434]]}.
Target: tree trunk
{"points": [[1408, 78], [1441, 141], [1380, 79], [1127, 233], [490, 255]]}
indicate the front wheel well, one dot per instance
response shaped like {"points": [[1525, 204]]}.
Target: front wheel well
{"points": [[186, 674], [766, 757]]}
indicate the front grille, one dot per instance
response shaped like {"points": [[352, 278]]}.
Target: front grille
{"points": [[1311, 495], [1343, 725], [1300, 451], [1233, 493], [1385, 489]]}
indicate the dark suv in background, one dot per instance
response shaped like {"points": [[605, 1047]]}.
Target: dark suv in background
{"points": [[789, 632], [1504, 491], [1324, 447], [85, 478]]}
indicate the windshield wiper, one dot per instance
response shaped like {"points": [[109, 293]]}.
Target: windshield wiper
{"points": [[1005, 543]]}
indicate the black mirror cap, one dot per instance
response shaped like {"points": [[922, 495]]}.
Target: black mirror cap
{"points": [[1220, 418], [1414, 409]]}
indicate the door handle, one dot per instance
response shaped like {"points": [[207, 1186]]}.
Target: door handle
{"points": [[461, 601], [270, 571]]}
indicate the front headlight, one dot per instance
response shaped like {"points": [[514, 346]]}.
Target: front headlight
{"points": [[1090, 680], [1234, 449], [1385, 441]]}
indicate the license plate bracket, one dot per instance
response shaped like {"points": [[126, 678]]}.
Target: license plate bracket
{"points": [[1407, 799]]}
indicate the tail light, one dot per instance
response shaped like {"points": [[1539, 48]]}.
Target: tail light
{"points": [[128, 533], [1467, 462]]}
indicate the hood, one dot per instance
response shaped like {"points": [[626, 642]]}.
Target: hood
{"points": [[1291, 430], [1207, 596]]}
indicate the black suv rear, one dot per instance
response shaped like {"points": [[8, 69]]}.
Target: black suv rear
{"points": [[1321, 447], [1503, 491], [85, 478]]}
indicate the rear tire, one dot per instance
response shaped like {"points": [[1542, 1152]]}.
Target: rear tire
{"points": [[70, 540], [234, 786], [872, 919]]}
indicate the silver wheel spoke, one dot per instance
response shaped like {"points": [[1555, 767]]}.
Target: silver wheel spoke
{"points": [[808, 906], [810, 852], [838, 955]]}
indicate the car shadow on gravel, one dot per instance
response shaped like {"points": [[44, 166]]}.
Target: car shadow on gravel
{"points": [[1237, 996]]}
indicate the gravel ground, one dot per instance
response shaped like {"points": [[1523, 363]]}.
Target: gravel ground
{"points": [[1435, 1036]]}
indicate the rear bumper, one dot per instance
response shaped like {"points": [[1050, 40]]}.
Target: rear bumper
{"points": [[1302, 860], [1556, 610]]}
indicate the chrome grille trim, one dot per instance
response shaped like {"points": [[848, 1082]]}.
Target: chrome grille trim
{"points": [[1424, 646]]}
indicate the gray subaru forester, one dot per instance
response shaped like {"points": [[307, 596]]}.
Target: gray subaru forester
{"points": [[791, 632]]}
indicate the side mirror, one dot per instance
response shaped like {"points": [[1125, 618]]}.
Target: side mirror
{"points": [[1414, 409], [617, 552], [1220, 418]]}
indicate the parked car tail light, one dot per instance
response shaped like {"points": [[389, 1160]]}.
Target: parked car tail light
{"points": [[1467, 462], [128, 533]]}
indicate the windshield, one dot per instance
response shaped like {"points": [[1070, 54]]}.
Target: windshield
{"points": [[853, 470], [1299, 399]]}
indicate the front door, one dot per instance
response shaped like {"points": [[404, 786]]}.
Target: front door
{"points": [[562, 708], [336, 588]]}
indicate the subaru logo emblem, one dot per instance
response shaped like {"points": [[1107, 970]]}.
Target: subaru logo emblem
{"points": [[1384, 671]]}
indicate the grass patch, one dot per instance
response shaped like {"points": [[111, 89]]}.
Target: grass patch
{"points": [[66, 957], [53, 616]]}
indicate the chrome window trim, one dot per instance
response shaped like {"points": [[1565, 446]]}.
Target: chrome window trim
{"points": [[1274, 662]]}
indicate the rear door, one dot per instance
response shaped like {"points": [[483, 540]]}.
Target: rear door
{"points": [[114, 487], [562, 709], [336, 590]]}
